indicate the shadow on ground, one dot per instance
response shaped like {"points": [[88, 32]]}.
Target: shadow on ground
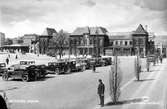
{"points": [[142, 80], [130, 101]]}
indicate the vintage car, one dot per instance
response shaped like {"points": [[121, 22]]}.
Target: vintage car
{"points": [[97, 61], [26, 71], [2, 68], [151, 58], [107, 60], [57, 67], [66, 66], [87, 62]]}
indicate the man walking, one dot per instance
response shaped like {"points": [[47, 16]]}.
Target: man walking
{"points": [[100, 91], [7, 61]]}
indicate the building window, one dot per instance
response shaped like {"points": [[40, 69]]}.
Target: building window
{"points": [[116, 42], [130, 43], [111, 43], [120, 42], [140, 41], [126, 43]]}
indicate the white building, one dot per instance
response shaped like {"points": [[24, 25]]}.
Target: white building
{"points": [[2, 39]]}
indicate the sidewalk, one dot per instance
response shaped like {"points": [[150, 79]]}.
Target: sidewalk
{"points": [[133, 92]]}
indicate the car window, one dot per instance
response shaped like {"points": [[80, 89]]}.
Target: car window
{"points": [[2, 65]]}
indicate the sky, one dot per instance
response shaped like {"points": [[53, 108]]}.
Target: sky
{"points": [[19, 17]]}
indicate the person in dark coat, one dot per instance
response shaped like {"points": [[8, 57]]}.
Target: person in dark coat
{"points": [[94, 67], [3, 104], [160, 58], [16, 57], [7, 61], [100, 92]]}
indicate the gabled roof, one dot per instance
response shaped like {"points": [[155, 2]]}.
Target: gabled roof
{"points": [[140, 30], [49, 32], [90, 30]]}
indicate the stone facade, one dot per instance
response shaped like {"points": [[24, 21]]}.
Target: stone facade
{"points": [[88, 41]]}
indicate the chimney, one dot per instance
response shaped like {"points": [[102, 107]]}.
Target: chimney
{"points": [[146, 28]]}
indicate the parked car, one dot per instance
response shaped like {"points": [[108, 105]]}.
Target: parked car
{"points": [[2, 68], [107, 60], [57, 67], [151, 58], [66, 66], [26, 71]]}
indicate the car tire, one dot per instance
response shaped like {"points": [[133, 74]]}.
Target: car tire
{"points": [[57, 71], [25, 78], [5, 77], [83, 68], [68, 70], [103, 64]]}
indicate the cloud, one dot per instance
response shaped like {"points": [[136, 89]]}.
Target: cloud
{"points": [[35, 15], [158, 5], [89, 3]]}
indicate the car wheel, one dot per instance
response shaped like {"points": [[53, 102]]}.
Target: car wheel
{"points": [[68, 70], [5, 77], [57, 71], [84, 68], [25, 78]]}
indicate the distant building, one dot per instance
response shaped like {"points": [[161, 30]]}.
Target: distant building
{"points": [[30, 40], [2, 39], [161, 44], [88, 41], [140, 41], [44, 39], [128, 43], [120, 43]]}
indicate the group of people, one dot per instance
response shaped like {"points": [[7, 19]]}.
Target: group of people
{"points": [[7, 59]]}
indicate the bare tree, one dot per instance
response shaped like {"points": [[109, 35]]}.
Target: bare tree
{"points": [[59, 43], [148, 64], [115, 78], [137, 68]]}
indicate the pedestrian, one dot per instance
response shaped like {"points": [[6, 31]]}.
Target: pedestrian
{"points": [[7, 61], [100, 92], [3, 104], [160, 58], [94, 67], [16, 57]]}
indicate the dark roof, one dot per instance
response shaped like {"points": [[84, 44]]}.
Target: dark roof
{"points": [[49, 32], [121, 36], [90, 30], [140, 30]]}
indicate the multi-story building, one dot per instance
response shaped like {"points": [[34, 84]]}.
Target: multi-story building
{"points": [[120, 43], [161, 44], [2, 39], [44, 39], [88, 41], [28, 40], [140, 41], [128, 43]]}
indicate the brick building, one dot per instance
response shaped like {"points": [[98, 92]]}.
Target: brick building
{"points": [[88, 41], [44, 39], [140, 41]]}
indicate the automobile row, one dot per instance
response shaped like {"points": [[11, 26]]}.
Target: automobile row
{"points": [[27, 70]]}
